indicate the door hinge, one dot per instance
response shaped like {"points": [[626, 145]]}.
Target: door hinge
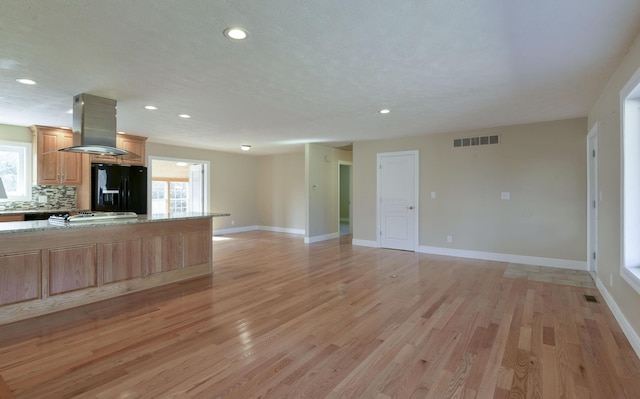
{"points": [[380, 166], [594, 256], [594, 204], [594, 153], [380, 233]]}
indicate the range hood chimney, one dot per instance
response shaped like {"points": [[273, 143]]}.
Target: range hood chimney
{"points": [[94, 126]]}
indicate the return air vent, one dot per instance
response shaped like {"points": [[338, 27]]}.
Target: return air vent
{"points": [[473, 141]]}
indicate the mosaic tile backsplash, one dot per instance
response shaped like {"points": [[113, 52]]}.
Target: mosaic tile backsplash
{"points": [[58, 198]]}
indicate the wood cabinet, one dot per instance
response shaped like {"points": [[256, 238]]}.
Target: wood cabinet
{"points": [[121, 260], [12, 218], [127, 142], [71, 268], [19, 277], [54, 167], [43, 271]]}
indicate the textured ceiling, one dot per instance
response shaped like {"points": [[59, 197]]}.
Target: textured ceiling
{"points": [[310, 71]]}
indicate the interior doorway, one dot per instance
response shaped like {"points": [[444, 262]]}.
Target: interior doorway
{"points": [[345, 195], [178, 185]]}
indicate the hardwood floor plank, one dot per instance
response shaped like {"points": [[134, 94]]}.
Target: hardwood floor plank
{"points": [[284, 319]]}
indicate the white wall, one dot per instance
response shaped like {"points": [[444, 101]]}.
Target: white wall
{"points": [[541, 165], [281, 192], [606, 114]]}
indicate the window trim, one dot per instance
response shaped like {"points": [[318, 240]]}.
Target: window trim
{"points": [[27, 148], [630, 182]]}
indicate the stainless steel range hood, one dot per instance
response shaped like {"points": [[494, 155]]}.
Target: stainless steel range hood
{"points": [[94, 127]]}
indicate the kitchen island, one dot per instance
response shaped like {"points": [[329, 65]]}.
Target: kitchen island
{"points": [[46, 267]]}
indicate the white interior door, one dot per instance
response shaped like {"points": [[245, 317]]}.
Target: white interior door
{"points": [[398, 200], [196, 185], [592, 173]]}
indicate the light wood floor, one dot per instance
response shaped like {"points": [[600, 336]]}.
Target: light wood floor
{"points": [[281, 319]]}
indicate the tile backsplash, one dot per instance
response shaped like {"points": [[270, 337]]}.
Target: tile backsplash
{"points": [[58, 198]]}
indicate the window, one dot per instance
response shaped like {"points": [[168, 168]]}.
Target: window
{"points": [[630, 215], [159, 197], [169, 197], [179, 197], [15, 170]]}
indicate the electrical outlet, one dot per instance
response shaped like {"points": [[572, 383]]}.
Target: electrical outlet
{"points": [[449, 239], [433, 194], [233, 222], [505, 195], [42, 199]]}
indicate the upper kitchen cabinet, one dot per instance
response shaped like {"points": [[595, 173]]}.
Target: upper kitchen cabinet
{"points": [[127, 142], [54, 167], [134, 144]]}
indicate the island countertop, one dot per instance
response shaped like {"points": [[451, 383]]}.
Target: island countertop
{"points": [[42, 225]]}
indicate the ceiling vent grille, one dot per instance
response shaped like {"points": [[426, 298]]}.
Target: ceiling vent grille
{"points": [[480, 140]]}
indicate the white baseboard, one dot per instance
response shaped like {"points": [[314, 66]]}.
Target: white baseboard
{"points": [[365, 243], [527, 260], [234, 230], [324, 237], [629, 332], [281, 229], [252, 228]]}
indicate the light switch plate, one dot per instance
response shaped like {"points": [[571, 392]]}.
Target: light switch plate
{"points": [[505, 195], [433, 194], [42, 199]]}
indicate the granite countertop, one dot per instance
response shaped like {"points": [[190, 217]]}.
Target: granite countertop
{"points": [[42, 225]]}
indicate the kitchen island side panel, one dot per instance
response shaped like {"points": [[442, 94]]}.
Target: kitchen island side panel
{"points": [[62, 268]]}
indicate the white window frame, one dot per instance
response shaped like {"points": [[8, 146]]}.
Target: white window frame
{"points": [[24, 170], [630, 182]]}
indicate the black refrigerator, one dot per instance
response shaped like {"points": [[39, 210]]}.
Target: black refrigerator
{"points": [[119, 188]]}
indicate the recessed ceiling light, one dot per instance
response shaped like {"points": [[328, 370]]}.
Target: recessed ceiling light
{"points": [[235, 33], [384, 111], [65, 127], [181, 163], [70, 111], [26, 81], [121, 133], [151, 107], [245, 147], [185, 116]]}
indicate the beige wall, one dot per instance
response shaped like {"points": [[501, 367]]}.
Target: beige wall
{"points": [[542, 165], [606, 114], [233, 184], [281, 193], [15, 133], [323, 210]]}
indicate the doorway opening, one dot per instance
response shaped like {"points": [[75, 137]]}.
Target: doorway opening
{"points": [[344, 195], [178, 186]]}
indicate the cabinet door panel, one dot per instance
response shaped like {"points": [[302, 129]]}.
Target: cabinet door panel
{"points": [[48, 169], [197, 248], [70, 162], [162, 253], [122, 260], [72, 269], [19, 277], [134, 144]]}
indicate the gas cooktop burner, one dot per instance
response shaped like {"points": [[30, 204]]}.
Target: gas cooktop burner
{"points": [[87, 216]]}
